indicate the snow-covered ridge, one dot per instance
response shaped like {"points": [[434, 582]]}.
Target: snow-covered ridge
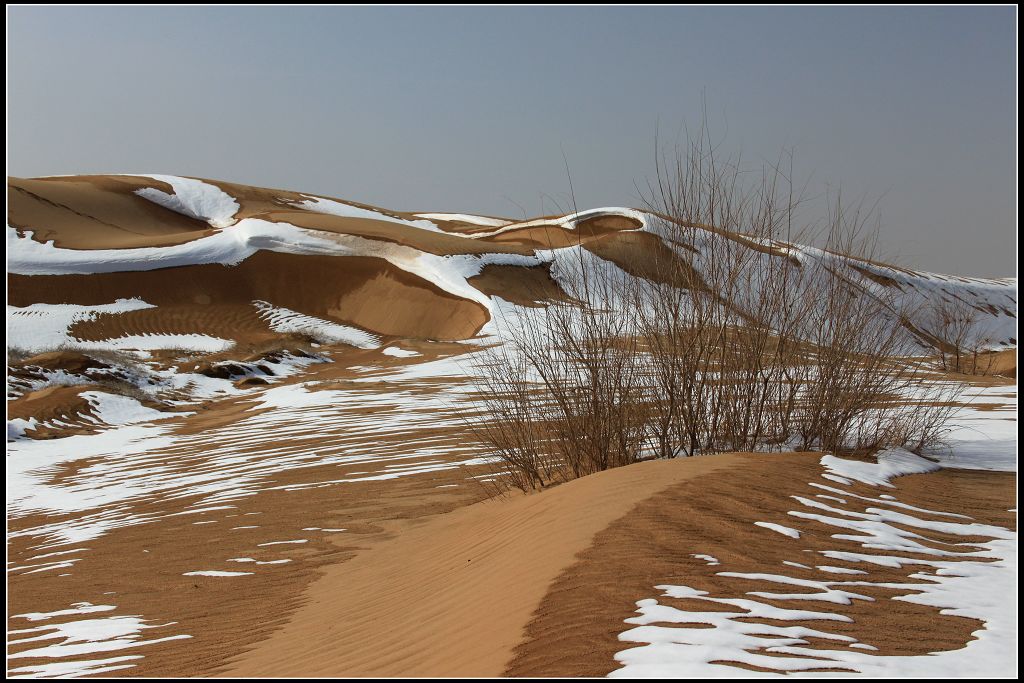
{"points": [[485, 221], [335, 208], [995, 299], [235, 241], [569, 221], [193, 198]]}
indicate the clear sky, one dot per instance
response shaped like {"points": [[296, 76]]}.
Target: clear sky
{"points": [[471, 109]]}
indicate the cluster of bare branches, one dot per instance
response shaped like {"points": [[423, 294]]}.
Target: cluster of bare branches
{"points": [[735, 339], [955, 329], [867, 389], [712, 314], [564, 393]]}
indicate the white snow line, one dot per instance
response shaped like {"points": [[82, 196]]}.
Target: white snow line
{"points": [[485, 221], [301, 540], [778, 528]]}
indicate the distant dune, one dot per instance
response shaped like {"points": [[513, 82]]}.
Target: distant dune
{"points": [[217, 259], [241, 439]]}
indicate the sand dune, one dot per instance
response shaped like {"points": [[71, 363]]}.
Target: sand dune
{"points": [[542, 585], [97, 212], [577, 630], [202, 252], [282, 380], [343, 289], [452, 596]]}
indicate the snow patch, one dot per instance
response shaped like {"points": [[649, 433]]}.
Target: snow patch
{"points": [[399, 352], [778, 528], [335, 208], [44, 327], [193, 198], [286, 320], [466, 218]]}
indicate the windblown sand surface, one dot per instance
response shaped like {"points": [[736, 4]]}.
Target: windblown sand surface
{"points": [[97, 212], [540, 585], [217, 300], [575, 633], [450, 597], [332, 482], [255, 458]]}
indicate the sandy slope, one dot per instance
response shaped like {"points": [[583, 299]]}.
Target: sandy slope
{"points": [[203, 253], [576, 631], [452, 596], [97, 212], [368, 293], [541, 585], [370, 442]]}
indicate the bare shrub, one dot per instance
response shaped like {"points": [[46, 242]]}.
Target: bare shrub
{"points": [[109, 356], [118, 371], [564, 393], [123, 387], [956, 329], [515, 428], [756, 342], [718, 317], [735, 338], [17, 355]]}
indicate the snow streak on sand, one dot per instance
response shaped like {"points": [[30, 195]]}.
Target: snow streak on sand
{"points": [[78, 638], [485, 221], [778, 528], [25, 256], [229, 247], [335, 208], [970, 579], [142, 470], [398, 352], [383, 427], [285, 320], [569, 221], [45, 327]]}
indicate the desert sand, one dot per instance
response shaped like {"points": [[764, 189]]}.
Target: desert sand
{"points": [[452, 596], [237, 445]]}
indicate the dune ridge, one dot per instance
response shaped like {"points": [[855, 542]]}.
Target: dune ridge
{"points": [[452, 596]]}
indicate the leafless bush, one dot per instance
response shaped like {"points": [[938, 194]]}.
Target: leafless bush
{"points": [[956, 329], [16, 355], [756, 342], [922, 422], [515, 428], [718, 316], [734, 339], [564, 393], [289, 342], [109, 356], [123, 387], [119, 371]]}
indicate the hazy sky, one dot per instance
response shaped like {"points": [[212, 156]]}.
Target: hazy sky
{"points": [[470, 110]]}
